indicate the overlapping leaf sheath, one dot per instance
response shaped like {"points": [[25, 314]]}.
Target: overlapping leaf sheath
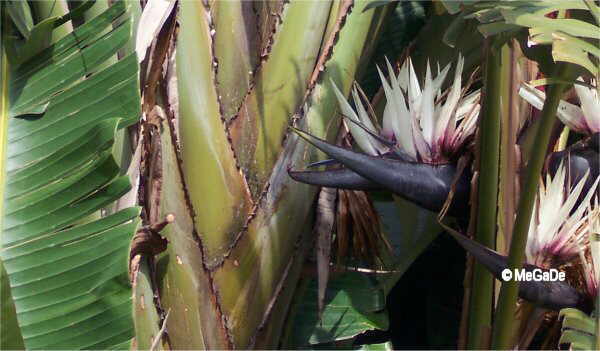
{"points": [[241, 226]]}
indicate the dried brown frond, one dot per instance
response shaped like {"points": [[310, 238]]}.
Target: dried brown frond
{"points": [[358, 230]]}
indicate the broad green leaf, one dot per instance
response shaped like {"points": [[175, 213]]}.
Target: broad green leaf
{"points": [[401, 28], [451, 6], [410, 230], [577, 341], [67, 274], [354, 303], [574, 39], [576, 51], [579, 330], [38, 39], [572, 27], [9, 328], [576, 319], [437, 52], [70, 63], [44, 9]]}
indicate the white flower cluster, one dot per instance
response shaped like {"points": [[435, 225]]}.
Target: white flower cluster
{"points": [[558, 231], [425, 125]]}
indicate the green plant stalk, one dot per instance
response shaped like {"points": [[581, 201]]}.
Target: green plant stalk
{"points": [[480, 314], [503, 328]]}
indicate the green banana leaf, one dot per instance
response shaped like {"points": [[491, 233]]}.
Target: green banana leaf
{"points": [[64, 277]]}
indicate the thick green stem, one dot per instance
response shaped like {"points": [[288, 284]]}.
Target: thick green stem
{"points": [[503, 328], [480, 314]]}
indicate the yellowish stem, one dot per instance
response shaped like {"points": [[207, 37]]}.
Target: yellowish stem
{"points": [[562, 140]]}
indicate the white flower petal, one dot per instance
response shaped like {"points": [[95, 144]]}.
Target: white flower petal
{"points": [[361, 136], [393, 79], [426, 117], [466, 128], [395, 116], [404, 75], [445, 124], [572, 116], [440, 78], [423, 148], [569, 114], [414, 89], [366, 121], [590, 105], [421, 123], [532, 95], [362, 112]]}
